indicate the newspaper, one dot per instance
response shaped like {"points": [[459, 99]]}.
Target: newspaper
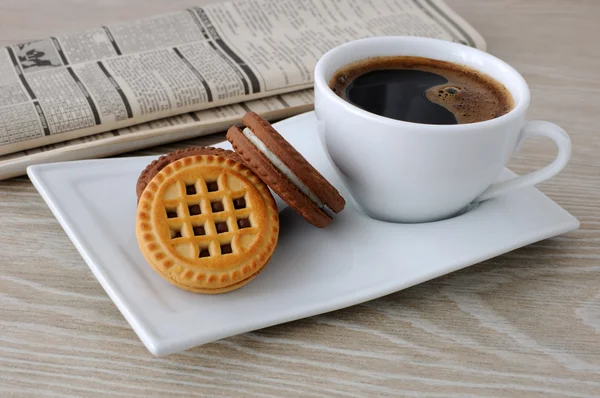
{"points": [[136, 84]]}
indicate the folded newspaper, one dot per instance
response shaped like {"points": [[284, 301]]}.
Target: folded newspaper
{"points": [[127, 86]]}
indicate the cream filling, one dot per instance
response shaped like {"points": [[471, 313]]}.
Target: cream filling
{"points": [[286, 171]]}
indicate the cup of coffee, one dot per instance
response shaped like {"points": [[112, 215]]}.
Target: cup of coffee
{"points": [[420, 128]]}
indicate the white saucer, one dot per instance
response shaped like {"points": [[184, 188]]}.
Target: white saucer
{"points": [[313, 271]]}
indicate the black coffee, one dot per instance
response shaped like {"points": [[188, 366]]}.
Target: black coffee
{"points": [[421, 90]]}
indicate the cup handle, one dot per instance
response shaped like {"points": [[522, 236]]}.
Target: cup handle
{"points": [[531, 129]]}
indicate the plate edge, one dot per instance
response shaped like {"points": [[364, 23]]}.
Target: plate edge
{"points": [[149, 339]]}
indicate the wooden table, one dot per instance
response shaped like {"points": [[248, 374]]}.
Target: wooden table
{"points": [[524, 324]]}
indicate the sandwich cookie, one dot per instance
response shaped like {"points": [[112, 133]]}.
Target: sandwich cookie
{"points": [[207, 224], [157, 165], [285, 170]]}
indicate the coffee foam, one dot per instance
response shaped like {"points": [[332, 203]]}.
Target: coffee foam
{"points": [[470, 95]]}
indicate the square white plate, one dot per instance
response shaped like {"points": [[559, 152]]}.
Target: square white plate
{"points": [[312, 271]]}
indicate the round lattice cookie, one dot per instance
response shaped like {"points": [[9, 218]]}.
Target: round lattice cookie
{"points": [[207, 224]]}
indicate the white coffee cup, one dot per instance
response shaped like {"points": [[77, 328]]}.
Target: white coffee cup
{"points": [[408, 172]]}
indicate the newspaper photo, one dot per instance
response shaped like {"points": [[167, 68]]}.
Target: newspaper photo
{"points": [[131, 85]]}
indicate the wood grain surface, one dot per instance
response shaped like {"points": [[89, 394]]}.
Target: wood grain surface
{"points": [[524, 324]]}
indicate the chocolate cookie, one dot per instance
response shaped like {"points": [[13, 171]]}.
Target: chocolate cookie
{"points": [[285, 170], [157, 165]]}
